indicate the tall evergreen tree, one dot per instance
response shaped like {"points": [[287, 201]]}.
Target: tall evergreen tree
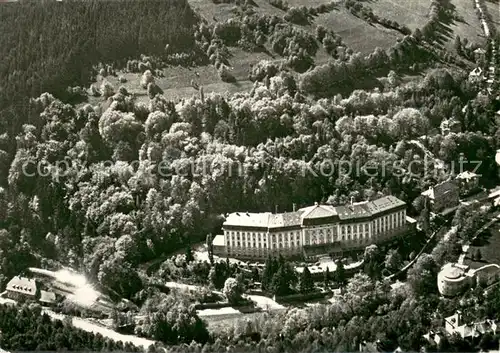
{"points": [[425, 216], [339, 275], [210, 248], [189, 254], [270, 268], [306, 283], [326, 277], [477, 255], [280, 285]]}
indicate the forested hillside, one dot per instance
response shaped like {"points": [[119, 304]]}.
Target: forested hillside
{"points": [[48, 46], [103, 192], [113, 180], [28, 329]]}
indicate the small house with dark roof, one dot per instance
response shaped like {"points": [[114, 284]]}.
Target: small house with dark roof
{"points": [[477, 75], [449, 126], [374, 347], [21, 288], [468, 183], [443, 195], [479, 54], [455, 324]]}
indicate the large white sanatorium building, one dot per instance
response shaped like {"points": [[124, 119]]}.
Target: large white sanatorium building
{"points": [[318, 229]]}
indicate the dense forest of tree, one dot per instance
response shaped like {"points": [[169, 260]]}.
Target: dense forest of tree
{"points": [[121, 187], [27, 329], [47, 46], [105, 188]]}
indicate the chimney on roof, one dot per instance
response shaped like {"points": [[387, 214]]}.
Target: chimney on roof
{"points": [[276, 209], [352, 200], [248, 214], [315, 204], [294, 207]]}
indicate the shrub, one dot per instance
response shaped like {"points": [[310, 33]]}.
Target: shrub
{"points": [[297, 15], [122, 90], [153, 90], [262, 69], [146, 79], [229, 31], [288, 40], [107, 89], [320, 33], [300, 62], [225, 74], [280, 4], [94, 91]]}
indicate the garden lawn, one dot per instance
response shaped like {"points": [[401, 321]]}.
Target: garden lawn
{"points": [[489, 245], [411, 13]]}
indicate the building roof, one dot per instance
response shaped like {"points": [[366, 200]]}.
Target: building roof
{"points": [[369, 347], [242, 219], [453, 273], [432, 337], [384, 204], [219, 240], [263, 220], [467, 175], [22, 285], [480, 51], [268, 220], [474, 329], [287, 219], [318, 211], [476, 72], [47, 297], [410, 220], [353, 211], [441, 189]]}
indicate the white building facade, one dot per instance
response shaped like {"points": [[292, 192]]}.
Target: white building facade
{"points": [[315, 229]]}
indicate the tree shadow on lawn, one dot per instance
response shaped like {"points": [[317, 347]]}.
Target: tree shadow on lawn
{"points": [[443, 33], [303, 305], [246, 309], [482, 239], [367, 82]]}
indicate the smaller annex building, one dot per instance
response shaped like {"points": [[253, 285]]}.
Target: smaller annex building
{"points": [[454, 279], [22, 288]]}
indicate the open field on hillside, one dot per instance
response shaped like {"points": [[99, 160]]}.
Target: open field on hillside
{"points": [[309, 3], [209, 10], [357, 33], [494, 10], [177, 82], [241, 61], [412, 13], [470, 28], [221, 12]]}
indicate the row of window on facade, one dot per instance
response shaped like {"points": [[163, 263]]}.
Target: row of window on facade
{"points": [[317, 236], [314, 241]]}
